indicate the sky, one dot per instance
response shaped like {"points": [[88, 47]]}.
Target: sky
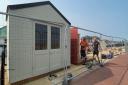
{"points": [[109, 17]]}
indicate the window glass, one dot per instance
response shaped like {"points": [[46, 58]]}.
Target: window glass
{"points": [[40, 37], [55, 38]]}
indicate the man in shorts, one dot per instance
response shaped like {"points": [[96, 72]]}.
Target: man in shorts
{"points": [[96, 46], [84, 45]]}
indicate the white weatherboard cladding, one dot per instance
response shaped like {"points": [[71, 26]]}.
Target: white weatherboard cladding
{"points": [[45, 12], [20, 48], [8, 47], [23, 58]]}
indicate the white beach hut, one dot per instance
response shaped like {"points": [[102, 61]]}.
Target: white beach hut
{"points": [[35, 45]]}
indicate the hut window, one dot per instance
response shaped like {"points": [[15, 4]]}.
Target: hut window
{"points": [[55, 38], [40, 37]]}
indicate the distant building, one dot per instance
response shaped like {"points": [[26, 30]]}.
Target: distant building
{"points": [[3, 34]]}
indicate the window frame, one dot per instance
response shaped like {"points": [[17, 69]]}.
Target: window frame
{"points": [[42, 39], [54, 26]]}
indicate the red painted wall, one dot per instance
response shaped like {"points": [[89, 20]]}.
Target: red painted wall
{"points": [[74, 45]]}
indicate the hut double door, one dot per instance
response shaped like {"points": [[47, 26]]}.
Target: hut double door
{"points": [[55, 49], [49, 59]]}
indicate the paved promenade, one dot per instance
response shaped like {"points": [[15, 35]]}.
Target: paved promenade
{"points": [[114, 72]]}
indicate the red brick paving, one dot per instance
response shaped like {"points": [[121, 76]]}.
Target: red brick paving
{"points": [[114, 72]]}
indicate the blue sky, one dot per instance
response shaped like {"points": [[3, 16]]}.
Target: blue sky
{"points": [[106, 16]]}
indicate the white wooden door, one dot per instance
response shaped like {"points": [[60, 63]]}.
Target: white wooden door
{"points": [[41, 55], [56, 52], [49, 58]]}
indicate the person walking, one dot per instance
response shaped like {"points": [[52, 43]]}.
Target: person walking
{"points": [[84, 46], [96, 47]]}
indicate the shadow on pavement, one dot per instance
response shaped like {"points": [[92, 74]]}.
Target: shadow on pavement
{"points": [[93, 77]]}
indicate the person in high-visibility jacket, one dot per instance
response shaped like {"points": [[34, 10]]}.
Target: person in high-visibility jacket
{"points": [[84, 46]]}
